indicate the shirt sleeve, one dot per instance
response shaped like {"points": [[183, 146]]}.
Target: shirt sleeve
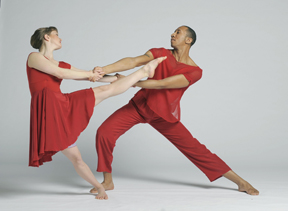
{"points": [[157, 52], [193, 75]]}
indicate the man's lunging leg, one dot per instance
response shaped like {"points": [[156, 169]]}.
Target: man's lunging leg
{"points": [[210, 164], [107, 134]]}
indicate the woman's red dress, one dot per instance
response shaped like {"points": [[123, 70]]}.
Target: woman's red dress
{"points": [[56, 119]]}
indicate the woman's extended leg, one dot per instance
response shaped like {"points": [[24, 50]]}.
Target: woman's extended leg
{"points": [[73, 154], [120, 86]]}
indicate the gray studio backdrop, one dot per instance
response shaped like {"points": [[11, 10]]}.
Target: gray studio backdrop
{"points": [[238, 109]]}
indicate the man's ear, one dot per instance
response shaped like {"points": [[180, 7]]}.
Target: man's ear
{"points": [[188, 40]]}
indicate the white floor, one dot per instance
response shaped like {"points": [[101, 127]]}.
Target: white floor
{"points": [[23, 188]]}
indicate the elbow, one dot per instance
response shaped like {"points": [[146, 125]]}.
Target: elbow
{"points": [[132, 62], [59, 75]]}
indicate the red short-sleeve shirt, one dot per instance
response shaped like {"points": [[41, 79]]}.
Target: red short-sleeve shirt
{"points": [[166, 102]]}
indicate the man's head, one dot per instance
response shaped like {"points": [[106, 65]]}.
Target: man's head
{"points": [[191, 33], [183, 35]]}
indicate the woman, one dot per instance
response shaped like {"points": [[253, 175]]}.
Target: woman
{"points": [[57, 119]]}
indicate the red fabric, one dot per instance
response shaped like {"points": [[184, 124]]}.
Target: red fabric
{"points": [[56, 119], [161, 109], [136, 112], [168, 100]]}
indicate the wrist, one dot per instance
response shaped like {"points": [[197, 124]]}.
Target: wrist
{"points": [[90, 74], [137, 83], [105, 70]]}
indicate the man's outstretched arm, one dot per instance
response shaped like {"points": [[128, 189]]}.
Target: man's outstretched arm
{"points": [[173, 82], [128, 63]]}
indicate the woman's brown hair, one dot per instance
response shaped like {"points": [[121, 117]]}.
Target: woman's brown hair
{"points": [[38, 37]]}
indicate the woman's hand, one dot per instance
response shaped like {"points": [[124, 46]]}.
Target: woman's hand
{"points": [[96, 74]]}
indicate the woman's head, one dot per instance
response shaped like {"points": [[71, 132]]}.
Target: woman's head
{"points": [[37, 39]]}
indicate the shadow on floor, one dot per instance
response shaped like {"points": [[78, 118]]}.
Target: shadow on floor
{"points": [[173, 182], [43, 186], [32, 186]]}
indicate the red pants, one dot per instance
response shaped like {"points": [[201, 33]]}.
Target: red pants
{"points": [[138, 112]]}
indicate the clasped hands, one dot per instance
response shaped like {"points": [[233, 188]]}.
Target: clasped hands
{"points": [[97, 73]]}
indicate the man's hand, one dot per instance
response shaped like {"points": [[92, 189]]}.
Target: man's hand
{"points": [[97, 73], [119, 76]]}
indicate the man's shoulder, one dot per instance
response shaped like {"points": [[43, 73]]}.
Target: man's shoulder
{"points": [[192, 63], [157, 52], [159, 49]]}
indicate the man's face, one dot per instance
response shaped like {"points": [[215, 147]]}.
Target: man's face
{"points": [[178, 38]]}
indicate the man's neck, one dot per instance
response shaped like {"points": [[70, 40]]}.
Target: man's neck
{"points": [[181, 55]]}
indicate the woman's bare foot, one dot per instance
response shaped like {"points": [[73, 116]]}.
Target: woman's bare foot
{"points": [[101, 194], [107, 186], [150, 67], [249, 189]]}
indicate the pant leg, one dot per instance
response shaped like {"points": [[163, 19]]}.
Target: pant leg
{"points": [[110, 130], [210, 164]]}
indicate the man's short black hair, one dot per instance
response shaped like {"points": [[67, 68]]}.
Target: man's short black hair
{"points": [[191, 33]]}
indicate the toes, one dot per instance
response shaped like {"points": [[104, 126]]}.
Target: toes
{"points": [[162, 58], [101, 197], [253, 192], [250, 191]]}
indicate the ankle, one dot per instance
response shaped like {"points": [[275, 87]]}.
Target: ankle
{"points": [[107, 177], [107, 182], [241, 183], [100, 188]]}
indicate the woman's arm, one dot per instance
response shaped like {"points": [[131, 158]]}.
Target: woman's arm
{"points": [[98, 73], [76, 69], [39, 62]]}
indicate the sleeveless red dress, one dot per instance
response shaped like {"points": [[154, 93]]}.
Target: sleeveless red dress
{"points": [[56, 119]]}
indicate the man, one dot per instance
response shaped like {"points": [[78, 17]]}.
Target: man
{"points": [[172, 77]]}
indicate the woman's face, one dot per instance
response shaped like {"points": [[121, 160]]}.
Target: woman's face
{"points": [[55, 40]]}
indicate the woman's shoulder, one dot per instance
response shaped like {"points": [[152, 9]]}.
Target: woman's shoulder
{"points": [[33, 55], [31, 58]]}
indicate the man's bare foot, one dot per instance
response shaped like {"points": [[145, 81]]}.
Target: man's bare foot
{"points": [[101, 194], [249, 189], [150, 67], [107, 186], [243, 185]]}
